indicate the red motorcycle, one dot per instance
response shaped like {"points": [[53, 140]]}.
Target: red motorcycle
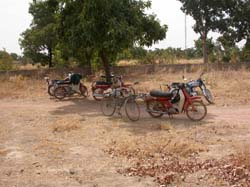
{"points": [[176, 101], [99, 87]]}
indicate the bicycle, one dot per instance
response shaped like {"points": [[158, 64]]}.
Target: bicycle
{"points": [[115, 100]]}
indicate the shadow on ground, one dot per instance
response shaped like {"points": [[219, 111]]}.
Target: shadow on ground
{"points": [[81, 106]]}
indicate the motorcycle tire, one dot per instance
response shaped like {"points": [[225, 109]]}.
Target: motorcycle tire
{"points": [[84, 91], [196, 111], [51, 89], [100, 93], [208, 96], [155, 106], [60, 92]]}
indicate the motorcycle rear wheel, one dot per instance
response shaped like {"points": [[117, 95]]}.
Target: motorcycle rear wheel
{"points": [[99, 92], [60, 92], [196, 111], [84, 91], [155, 106]]}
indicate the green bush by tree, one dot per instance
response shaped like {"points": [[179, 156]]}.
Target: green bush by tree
{"points": [[6, 61]]}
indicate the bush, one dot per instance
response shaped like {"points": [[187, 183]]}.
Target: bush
{"points": [[6, 61]]}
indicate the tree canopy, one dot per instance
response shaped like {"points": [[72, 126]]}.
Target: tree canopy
{"points": [[40, 39], [83, 29], [231, 18], [207, 16], [109, 26]]}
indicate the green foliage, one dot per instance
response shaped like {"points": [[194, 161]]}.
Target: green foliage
{"points": [[245, 54], [108, 27], [237, 23], [6, 61], [132, 53], [169, 55], [39, 41], [207, 16]]}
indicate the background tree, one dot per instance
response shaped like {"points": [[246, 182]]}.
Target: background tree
{"points": [[207, 16], [71, 34], [6, 61], [39, 41], [236, 25], [109, 26]]}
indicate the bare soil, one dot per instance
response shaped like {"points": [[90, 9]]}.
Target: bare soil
{"points": [[46, 143]]}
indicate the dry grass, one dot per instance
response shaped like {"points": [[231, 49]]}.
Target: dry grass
{"points": [[193, 61], [65, 125], [242, 156], [21, 87], [3, 152], [229, 87], [141, 147], [49, 148], [30, 67], [176, 61]]}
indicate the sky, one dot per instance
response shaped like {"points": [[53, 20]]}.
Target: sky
{"points": [[14, 19]]}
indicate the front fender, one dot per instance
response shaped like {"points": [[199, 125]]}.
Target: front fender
{"points": [[196, 98]]}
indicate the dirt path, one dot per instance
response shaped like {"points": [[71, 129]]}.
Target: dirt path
{"points": [[51, 143]]}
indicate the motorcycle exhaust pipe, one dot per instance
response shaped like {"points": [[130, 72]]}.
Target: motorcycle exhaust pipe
{"points": [[158, 112], [98, 95], [161, 112]]}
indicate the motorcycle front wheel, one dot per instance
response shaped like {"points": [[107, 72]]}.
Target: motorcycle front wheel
{"points": [[208, 95], [51, 89], [60, 92], [196, 111]]}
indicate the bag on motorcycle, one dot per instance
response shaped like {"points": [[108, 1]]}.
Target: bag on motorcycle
{"points": [[75, 78]]}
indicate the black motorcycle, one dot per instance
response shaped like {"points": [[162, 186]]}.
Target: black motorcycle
{"points": [[52, 83], [199, 83]]}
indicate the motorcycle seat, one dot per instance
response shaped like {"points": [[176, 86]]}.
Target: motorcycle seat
{"points": [[158, 93], [61, 82], [103, 83]]}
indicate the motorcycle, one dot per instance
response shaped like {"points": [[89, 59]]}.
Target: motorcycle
{"points": [[67, 88], [52, 83], [99, 87], [199, 83], [176, 101]]}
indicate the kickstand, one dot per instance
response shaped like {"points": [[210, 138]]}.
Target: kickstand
{"points": [[119, 111], [171, 116]]}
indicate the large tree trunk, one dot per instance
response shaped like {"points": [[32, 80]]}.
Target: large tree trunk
{"points": [[50, 57], [106, 65], [88, 59], [247, 45], [205, 53]]}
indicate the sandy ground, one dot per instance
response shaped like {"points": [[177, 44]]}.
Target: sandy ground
{"points": [[47, 143]]}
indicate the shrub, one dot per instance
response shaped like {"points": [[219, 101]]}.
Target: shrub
{"points": [[6, 61]]}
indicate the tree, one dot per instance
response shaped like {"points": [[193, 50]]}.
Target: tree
{"points": [[109, 26], [6, 61], [207, 15], [39, 41], [237, 24], [239, 20]]}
